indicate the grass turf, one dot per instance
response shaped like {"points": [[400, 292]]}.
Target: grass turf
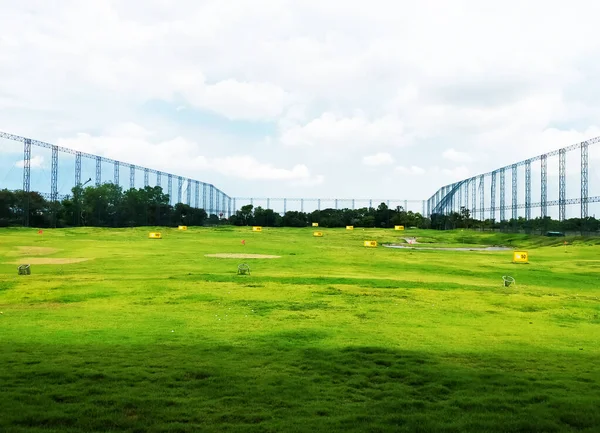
{"points": [[151, 336]]}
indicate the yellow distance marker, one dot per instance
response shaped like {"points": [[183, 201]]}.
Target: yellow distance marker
{"points": [[315, 224], [257, 229], [398, 227], [182, 228], [520, 257], [371, 244], [349, 227], [318, 234], [155, 235]]}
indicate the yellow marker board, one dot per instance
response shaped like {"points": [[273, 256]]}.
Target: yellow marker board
{"points": [[349, 227], [155, 236], [520, 257], [257, 229], [183, 228], [318, 234], [315, 224], [372, 244], [398, 227]]}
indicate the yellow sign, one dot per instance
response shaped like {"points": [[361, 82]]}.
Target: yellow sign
{"points": [[182, 228], [349, 227], [398, 227], [155, 236], [315, 224], [372, 244], [257, 229], [318, 234], [520, 257]]}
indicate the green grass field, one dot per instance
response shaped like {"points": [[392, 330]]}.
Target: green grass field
{"points": [[152, 336]]}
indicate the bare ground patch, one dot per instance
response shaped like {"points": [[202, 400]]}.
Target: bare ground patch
{"points": [[36, 251], [241, 256], [47, 261]]}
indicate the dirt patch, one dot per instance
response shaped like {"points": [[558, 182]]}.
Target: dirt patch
{"points": [[451, 249], [241, 256], [47, 261], [36, 251]]}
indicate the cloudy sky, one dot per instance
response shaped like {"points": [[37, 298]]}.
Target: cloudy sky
{"points": [[303, 98]]}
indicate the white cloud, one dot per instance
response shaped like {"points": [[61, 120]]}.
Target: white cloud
{"points": [[444, 174], [36, 162], [380, 158], [456, 156], [412, 170], [331, 130], [231, 98], [247, 167], [132, 143], [456, 173]]}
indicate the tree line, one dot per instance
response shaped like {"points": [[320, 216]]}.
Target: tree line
{"points": [[382, 216], [538, 225], [108, 205]]}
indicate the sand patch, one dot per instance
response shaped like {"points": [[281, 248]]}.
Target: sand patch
{"points": [[241, 256], [47, 261], [36, 251]]}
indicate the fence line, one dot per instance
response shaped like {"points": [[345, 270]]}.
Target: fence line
{"points": [[214, 201], [472, 194]]}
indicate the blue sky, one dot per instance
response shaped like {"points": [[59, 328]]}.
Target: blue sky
{"points": [[301, 99]]}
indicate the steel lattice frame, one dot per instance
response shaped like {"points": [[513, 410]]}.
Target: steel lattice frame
{"points": [[502, 194], [544, 183], [448, 198], [442, 203], [189, 193], [99, 160], [514, 191], [117, 173], [131, 176], [528, 189], [26, 179], [482, 197], [584, 180], [562, 184], [493, 197], [474, 197], [54, 175], [98, 171], [78, 168], [179, 188]]}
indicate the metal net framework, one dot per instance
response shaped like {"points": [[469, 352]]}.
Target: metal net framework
{"points": [[515, 190], [54, 184]]}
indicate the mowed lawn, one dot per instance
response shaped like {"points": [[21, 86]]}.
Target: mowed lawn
{"points": [[152, 336]]}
